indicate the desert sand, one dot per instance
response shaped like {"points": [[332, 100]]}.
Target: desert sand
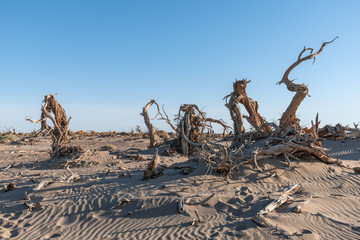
{"points": [[110, 199]]}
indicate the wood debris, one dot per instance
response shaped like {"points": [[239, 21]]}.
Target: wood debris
{"points": [[181, 208], [9, 187], [29, 203], [284, 198], [43, 184], [152, 171]]}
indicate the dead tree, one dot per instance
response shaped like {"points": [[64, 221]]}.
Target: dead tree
{"points": [[289, 119], [236, 115], [59, 132], [152, 132], [255, 119], [192, 123], [154, 136]]}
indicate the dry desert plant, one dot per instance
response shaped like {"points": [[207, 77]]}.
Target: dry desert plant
{"points": [[59, 132]]}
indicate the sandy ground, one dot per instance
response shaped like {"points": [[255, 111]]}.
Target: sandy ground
{"points": [[105, 203]]}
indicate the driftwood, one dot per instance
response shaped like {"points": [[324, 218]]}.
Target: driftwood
{"points": [[59, 133], [288, 119], [276, 204], [151, 171]]}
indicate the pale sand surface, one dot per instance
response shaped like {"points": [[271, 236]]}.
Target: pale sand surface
{"points": [[87, 208]]}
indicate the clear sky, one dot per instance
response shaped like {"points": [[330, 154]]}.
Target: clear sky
{"points": [[107, 59]]}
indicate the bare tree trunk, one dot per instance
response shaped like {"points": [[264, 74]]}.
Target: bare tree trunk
{"points": [[251, 106], [288, 119], [59, 132], [236, 116], [191, 125], [152, 131]]}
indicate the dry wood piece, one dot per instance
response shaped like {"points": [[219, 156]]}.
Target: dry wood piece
{"points": [[288, 118], [151, 171], [9, 187], [43, 184], [276, 204], [289, 149], [339, 132], [192, 124], [181, 208], [152, 132], [59, 133], [298, 208], [236, 115], [203, 202], [121, 203], [8, 167], [29, 203], [72, 178], [251, 106]]}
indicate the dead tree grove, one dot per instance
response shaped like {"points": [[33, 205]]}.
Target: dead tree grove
{"points": [[267, 140]]}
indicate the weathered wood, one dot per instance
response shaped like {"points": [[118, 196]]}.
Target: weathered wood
{"points": [[181, 208], [251, 106], [203, 202], [29, 203], [151, 172], [152, 132], [236, 115], [276, 204], [59, 133], [43, 184], [288, 119]]}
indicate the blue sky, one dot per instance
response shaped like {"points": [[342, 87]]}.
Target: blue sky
{"points": [[107, 59]]}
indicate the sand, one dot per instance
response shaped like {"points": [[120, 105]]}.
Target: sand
{"points": [[105, 203]]}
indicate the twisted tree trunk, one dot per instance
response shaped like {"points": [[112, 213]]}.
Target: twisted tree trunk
{"points": [[288, 119], [152, 132]]}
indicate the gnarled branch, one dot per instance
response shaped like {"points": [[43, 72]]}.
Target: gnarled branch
{"points": [[288, 118]]}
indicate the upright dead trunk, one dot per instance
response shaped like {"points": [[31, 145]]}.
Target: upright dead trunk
{"points": [[288, 119], [236, 115], [190, 125], [251, 106], [152, 131]]}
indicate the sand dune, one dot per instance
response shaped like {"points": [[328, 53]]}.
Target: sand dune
{"points": [[107, 204]]}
